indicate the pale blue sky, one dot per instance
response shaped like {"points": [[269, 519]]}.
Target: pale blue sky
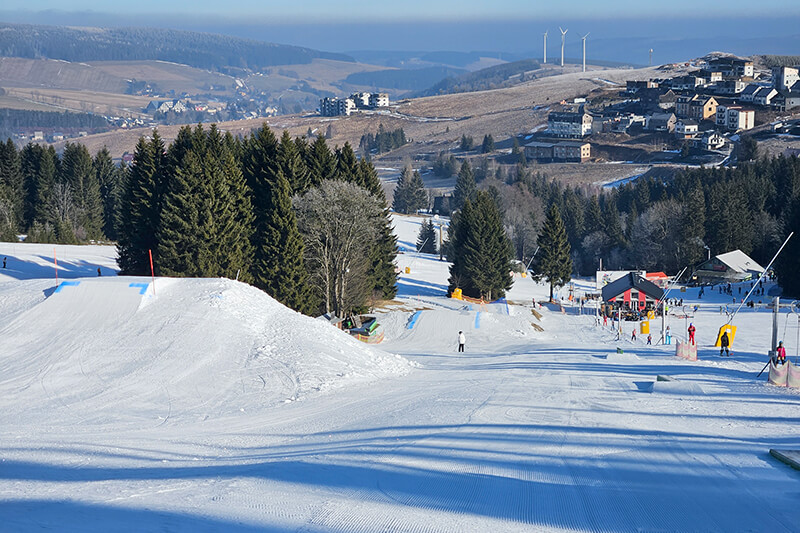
{"points": [[440, 10]]}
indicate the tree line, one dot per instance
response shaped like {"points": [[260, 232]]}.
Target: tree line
{"points": [[307, 224], [383, 141]]}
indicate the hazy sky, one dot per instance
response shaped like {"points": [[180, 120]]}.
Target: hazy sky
{"points": [[439, 10]]}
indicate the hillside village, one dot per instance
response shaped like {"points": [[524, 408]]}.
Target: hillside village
{"points": [[695, 114]]}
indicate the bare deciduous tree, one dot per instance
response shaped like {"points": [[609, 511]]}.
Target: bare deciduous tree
{"points": [[340, 222]]}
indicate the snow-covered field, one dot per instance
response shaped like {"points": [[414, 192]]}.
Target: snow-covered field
{"points": [[203, 405]]}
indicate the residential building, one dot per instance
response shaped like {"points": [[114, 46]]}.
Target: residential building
{"points": [[360, 99], [568, 151], [784, 78], [703, 108], [568, 124], [786, 101], [735, 118], [732, 67], [682, 104], [686, 128], [729, 87], [38, 135], [749, 92], [661, 122], [709, 140], [712, 76], [764, 96], [632, 87], [689, 82], [331, 107], [379, 100]]}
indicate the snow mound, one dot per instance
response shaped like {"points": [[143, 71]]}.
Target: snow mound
{"points": [[682, 388], [614, 357], [104, 350]]}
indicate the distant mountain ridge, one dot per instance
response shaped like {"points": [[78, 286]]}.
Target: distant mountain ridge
{"points": [[201, 50]]}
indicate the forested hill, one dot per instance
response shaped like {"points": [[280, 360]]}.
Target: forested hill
{"points": [[201, 50]]}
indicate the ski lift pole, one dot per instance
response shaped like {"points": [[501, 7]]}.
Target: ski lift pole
{"points": [[663, 300], [532, 257], [759, 279]]}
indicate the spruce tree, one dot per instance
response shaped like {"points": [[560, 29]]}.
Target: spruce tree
{"points": [[278, 265], [320, 161], [426, 239], [465, 186], [409, 195], [382, 276], [553, 261], [347, 166], [488, 144], [140, 208], [107, 176], [290, 158], [11, 190], [480, 250]]}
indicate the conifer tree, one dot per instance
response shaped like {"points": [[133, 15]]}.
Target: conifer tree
{"points": [[107, 176], [481, 250], [320, 161], [465, 186], [553, 261], [278, 265], [290, 158], [409, 195], [347, 166], [140, 208], [426, 240], [488, 144], [11, 190]]}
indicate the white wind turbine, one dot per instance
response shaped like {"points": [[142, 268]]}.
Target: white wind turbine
{"points": [[545, 48], [563, 34], [584, 51]]}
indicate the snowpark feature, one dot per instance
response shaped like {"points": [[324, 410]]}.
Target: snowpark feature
{"points": [[150, 413]]}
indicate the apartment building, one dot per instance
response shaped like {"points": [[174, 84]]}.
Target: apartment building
{"points": [[568, 124]]}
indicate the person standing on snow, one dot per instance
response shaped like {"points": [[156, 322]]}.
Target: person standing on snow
{"points": [[649, 339], [691, 333], [633, 334], [723, 344], [780, 351], [462, 340]]}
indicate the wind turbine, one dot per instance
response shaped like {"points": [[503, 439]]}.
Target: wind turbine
{"points": [[563, 34], [651, 57], [545, 48], [584, 51]]}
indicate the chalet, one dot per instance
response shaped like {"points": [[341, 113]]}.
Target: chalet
{"points": [[729, 267], [735, 118], [703, 108], [709, 140], [686, 128], [636, 292], [661, 122], [568, 124]]}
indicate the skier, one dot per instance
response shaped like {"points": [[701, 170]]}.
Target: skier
{"points": [[605, 320], [691, 333], [723, 343], [4, 261], [781, 353], [668, 335], [98, 272], [649, 339], [633, 334], [462, 340]]}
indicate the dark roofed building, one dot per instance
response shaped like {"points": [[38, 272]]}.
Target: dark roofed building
{"points": [[633, 288]]}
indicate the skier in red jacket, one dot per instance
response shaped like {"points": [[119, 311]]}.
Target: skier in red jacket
{"points": [[781, 353], [691, 333]]}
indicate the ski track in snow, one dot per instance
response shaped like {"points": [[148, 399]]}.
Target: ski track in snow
{"points": [[209, 407]]}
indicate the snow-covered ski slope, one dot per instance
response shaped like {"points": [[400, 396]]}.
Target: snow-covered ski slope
{"points": [[197, 409]]}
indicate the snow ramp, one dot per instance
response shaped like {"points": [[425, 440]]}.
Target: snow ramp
{"points": [[105, 351]]}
